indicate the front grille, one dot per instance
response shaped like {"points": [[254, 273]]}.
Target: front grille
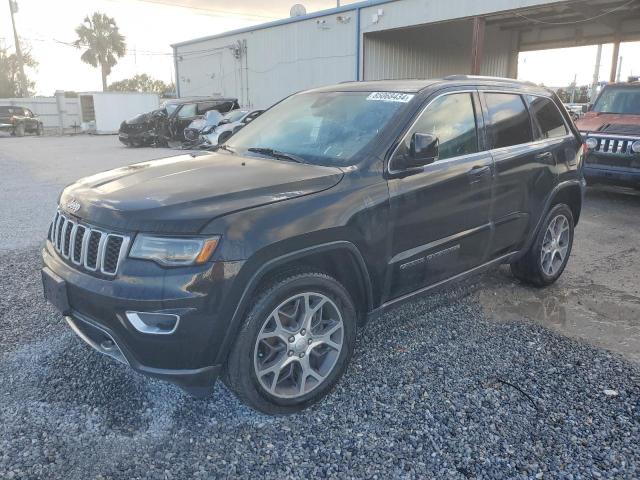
{"points": [[87, 247], [613, 145]]}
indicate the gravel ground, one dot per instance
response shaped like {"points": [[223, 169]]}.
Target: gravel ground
{"points": [[435, 390]]}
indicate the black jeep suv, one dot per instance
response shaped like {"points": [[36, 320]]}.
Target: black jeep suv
{"points": [[259, 262]]}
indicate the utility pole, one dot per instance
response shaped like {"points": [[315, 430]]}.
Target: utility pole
{"points": [[596, 74], [573, 88], [13, 8], [619, 69]]}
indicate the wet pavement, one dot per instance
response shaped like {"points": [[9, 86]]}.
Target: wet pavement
{"points": [[597, 299]]}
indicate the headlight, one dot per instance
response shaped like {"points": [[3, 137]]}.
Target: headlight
{"points": [[174, 252], [591, 143], [635, 148]]}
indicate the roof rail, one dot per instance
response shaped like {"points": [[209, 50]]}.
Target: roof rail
{"points": [[493, 79]]}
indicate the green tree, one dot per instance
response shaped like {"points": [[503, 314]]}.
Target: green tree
{"points": [[104, 43], [10, 73], [142, 83]]}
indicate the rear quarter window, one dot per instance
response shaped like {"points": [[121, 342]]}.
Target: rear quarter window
{"points": [[548, 118], [509, 120]]}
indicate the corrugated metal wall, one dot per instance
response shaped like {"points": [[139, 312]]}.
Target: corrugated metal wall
{"points": [[434, 51], [278, 61]]}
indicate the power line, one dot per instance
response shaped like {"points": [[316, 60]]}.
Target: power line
{"points": [[535, 20], [211, 10]]}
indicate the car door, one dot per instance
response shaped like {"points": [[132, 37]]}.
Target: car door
{"points": [[185, 115], [441, 212], [524, 169]]}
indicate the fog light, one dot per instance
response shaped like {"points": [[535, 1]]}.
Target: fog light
{"points": [[635, 148], [591, 143], [154, 323]]}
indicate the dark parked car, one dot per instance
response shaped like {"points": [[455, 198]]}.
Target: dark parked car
{"points": [[259, 262], [611, 130], [168, 123], [19, 120]]}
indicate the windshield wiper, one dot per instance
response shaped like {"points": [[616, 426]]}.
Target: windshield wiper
{"points": [[270, 152]]}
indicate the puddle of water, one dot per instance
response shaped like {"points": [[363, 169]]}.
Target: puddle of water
{"points": [[591, 312]]}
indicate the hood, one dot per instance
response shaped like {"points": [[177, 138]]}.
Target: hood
{"points": [[143, 117], [182, 194], [610, 122]]}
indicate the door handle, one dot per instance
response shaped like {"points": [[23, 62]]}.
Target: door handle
{"points": [[544, 156], [477, 173]]}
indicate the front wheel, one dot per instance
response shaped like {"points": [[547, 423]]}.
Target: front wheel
{"points": [[295, 344], [19, 131], [547, 257]]}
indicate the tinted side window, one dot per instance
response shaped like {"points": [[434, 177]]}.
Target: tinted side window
{"points": [[452, 119], [509, 119], [548, 117], [187, 111]]}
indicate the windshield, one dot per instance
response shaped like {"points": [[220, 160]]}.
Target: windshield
{"points": [[619, 100], [235, 115], [322, 128]]}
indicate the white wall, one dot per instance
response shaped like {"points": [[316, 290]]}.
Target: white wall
{"points": [[112, 108], [279, 61]]}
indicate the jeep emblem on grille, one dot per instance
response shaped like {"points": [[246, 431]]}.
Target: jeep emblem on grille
{"points": [[73, 205]]}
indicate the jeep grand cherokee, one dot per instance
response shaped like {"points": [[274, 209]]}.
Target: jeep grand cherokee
{"points": [[259, 262]]}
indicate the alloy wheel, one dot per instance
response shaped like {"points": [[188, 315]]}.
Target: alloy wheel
{"points": [[298, 345], [555, 245]]}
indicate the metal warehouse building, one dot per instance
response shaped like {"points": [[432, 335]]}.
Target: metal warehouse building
{"points": [[387, 39]]}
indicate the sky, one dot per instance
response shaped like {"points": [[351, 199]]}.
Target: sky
{"points": [[150, 26]]}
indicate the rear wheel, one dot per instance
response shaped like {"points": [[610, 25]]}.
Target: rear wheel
{"points": [[40, 130], [294, 345], [547, 257]]}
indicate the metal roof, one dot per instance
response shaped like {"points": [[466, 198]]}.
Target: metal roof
{"points": [[285, 21]]}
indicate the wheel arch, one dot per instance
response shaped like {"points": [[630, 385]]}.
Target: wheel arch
{"points": [[339, 259], [569, 192]]}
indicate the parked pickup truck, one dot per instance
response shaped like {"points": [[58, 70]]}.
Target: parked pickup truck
{"points": [[611, 131], [258, 262], [19, 120]]}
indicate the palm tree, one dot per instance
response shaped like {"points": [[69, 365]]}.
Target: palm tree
{"points": [[104, 43]]}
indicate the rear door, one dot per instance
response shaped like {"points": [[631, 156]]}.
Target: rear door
{"points": [[525, 169], [441, 213]]}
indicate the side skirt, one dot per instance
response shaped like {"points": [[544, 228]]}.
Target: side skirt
{"points": [[429, 289]]}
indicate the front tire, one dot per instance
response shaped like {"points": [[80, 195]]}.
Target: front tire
{"points": [[19, 131], [547, 257], [294, 345]]}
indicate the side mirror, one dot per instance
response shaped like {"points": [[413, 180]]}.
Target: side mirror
{"points": [[588, 107], [423, 150]]}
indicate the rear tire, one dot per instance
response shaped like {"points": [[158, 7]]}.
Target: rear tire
{"points": [[19, 131], [547, 257], [295, 343], [40, 130]]}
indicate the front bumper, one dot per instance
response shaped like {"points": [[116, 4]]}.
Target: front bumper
{"points": [[187, 357], [607, 169]]}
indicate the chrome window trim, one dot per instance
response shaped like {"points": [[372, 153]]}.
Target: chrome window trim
{"points": [[408, 130]]}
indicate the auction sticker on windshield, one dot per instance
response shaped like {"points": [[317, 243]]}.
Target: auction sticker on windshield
{"points": [[390, 97]]}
